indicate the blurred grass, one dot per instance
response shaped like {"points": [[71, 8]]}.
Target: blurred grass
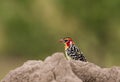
{"points": [[31, 30]]}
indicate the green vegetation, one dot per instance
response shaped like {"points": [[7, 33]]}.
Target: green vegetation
{"points": [[31, 29]]}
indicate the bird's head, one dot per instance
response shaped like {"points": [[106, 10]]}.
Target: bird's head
{"points": [[67, 41]]}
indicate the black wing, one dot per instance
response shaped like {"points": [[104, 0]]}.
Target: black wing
{"points": [[75, 53]]}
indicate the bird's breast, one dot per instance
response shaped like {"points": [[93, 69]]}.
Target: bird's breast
{"points": [[67, 56]]}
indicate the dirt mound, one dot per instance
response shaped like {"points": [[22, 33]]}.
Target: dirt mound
{"points": [[56, 68]]}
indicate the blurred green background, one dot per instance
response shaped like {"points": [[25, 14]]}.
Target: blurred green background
{"points": [[31, 29]]}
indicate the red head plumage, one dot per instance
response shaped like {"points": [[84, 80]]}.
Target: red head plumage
{"points": [[67, 41]]}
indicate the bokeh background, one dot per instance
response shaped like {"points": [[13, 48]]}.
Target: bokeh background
{"points": [[31, 29]]}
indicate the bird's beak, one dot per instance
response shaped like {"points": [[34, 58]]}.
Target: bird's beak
{"points": [[61, 40]]}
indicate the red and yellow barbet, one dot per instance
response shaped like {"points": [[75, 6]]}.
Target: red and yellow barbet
{"points": [[71, 50]]}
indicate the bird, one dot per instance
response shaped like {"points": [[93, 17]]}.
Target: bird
{"points": [[72, 52]]}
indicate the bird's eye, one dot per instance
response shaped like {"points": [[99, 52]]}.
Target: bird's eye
{"points": [[65, 40]]}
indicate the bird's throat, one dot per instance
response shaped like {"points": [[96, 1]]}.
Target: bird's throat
{"points": [[67, 44]]}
